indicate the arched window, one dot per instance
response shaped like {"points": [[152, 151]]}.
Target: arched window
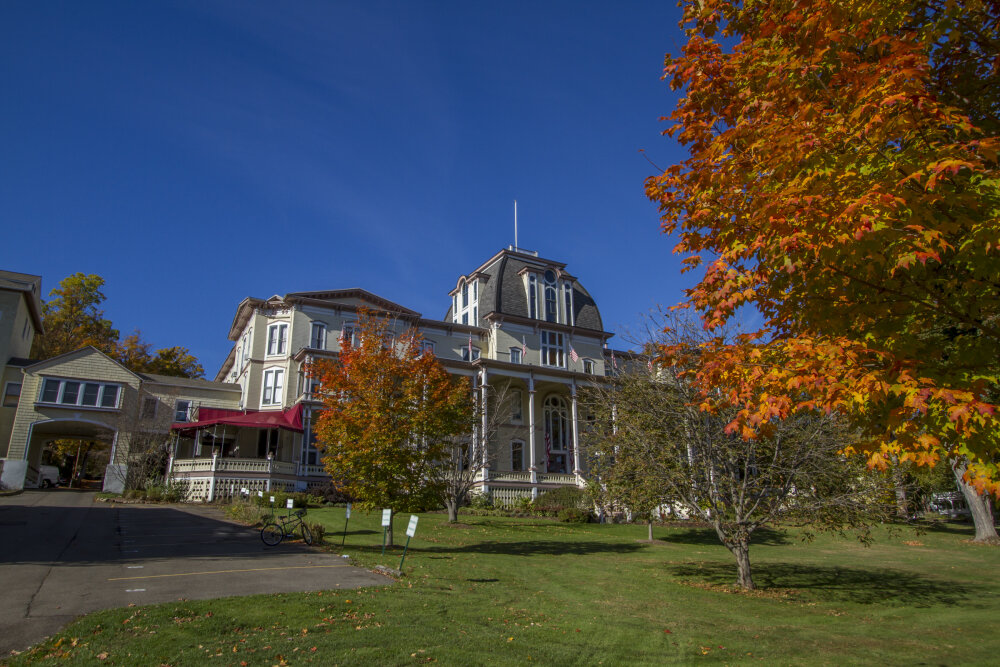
{"points": [[557, 433]]}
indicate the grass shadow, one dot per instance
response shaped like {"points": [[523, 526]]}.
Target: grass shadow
{"points": [[537, 548], [708, 537], [836, 584]]}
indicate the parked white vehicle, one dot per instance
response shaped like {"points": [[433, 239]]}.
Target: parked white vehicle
{"points": [[48, 476]]}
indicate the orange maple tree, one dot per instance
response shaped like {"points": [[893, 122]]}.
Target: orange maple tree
{"points": [[390, 414], [843, 182]]}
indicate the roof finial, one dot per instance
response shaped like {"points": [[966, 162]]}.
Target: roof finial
{"points": [[515, 225]]}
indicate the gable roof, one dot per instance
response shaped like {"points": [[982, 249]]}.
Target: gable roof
{"points": [[30, 285], [69, 356]]}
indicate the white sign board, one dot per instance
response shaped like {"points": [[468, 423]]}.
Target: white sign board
{"points": [[272, 500], [386, 517], [290, 503], [260, 494], [348, 511], [412, 528]]}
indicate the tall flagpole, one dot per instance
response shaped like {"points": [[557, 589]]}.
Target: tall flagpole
{"points": [[515, 225]]}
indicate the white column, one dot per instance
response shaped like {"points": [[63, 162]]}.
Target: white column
{"points": [[577, 468], [484, 441], [532, 467]]}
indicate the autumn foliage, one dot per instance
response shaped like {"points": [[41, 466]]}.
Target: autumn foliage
{"points": [[72, 318], [389, 415], [843, 182]]}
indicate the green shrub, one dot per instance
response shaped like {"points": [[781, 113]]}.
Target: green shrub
{"points": [[174, 492], [574, 515], [318, 530], [562, 498], [481, 501], [247, 513], [154, 493]]}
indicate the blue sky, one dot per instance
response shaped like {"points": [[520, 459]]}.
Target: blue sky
{"points": [[195, 153]]}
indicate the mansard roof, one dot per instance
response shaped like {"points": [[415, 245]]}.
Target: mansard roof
{"points": [[502, 287]]}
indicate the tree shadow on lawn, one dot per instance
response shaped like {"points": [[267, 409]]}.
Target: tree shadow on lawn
{"points": [[538, 548], [835, 584], [708, 537]]}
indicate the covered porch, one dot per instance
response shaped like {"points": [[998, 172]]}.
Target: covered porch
{"points": [[225, 451]]}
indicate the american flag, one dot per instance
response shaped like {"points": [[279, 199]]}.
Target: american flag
{"points": [[614, 362], [572, 354], [524, 347]]}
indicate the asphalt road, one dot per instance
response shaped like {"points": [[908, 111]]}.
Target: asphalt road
{"points": [[63, 555]]}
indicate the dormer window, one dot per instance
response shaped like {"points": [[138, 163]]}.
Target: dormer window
{"points": [[555, 295], [532, 297], [568, 303], [465, 304]]}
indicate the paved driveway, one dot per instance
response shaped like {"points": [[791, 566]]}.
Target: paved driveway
{"points": [[62, 555]]}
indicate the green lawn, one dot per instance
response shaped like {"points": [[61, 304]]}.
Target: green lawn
{"points": [[514, 591]]}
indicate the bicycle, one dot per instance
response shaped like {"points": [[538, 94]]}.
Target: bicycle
{"points": [[273, 532]]}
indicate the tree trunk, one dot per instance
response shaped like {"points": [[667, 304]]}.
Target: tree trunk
{"points": [[452, 506], [902, 506], [388, 530], [741, 550], [650, 531], [980, 506]]}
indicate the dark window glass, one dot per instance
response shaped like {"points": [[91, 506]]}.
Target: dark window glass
{"points": [[109, 397], [91, 392], [71, 391], [50, 391]]}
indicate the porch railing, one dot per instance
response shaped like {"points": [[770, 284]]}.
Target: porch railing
{"points": [[229, 465]]}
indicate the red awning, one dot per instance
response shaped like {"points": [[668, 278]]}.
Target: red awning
{"points": [[290, 419]]}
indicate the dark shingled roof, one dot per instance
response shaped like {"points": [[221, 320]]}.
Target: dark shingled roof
{"points": [[504, 293]]}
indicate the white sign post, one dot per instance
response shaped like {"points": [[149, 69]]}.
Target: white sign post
{"points": [[386, 522], [346, 519], [410, 530]]}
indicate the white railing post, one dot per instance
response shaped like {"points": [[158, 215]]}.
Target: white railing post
{"points": [[211, 480]]}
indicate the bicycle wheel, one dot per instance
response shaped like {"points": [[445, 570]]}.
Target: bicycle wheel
{"points": [[271, 534], [307, 535]]}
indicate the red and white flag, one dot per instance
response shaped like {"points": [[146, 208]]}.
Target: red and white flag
{"points": [[572, 354], [524, 348], [614, 362]]}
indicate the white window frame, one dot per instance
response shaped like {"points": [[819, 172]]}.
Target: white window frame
{"points": [[277, 339], [516, 355], [553, 349], [465, 303], [63, 383], [588, 366], [426, 346], [476, 353], [272, 387], [185, 405], [7, 393], [317, 342]]}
